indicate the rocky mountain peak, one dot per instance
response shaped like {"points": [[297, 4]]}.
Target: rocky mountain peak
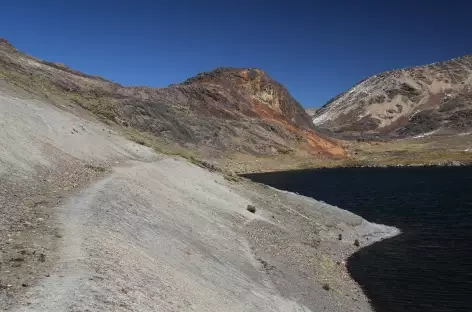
{"points": [[257, 86]]}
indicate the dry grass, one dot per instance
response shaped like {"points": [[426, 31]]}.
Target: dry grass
{"points": [[161, 145], [100, 106], [431, 150], [40, 86], [427, 151]]}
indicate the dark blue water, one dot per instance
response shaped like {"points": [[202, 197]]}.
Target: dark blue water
{"points": [[428, 268]]}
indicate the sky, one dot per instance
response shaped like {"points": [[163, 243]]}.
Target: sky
{"points": [[317, 49]]}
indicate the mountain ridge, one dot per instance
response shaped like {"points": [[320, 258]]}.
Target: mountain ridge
{"points": [[225, 111], [404, 102]]}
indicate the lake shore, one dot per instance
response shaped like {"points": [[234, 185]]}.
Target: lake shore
{"points": [[307, 243]]}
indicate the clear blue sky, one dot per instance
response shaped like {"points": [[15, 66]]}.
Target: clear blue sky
{"points": [[315, 48]]}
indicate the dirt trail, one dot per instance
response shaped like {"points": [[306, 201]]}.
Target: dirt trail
{"points": [[155, 236], [46, 155]]}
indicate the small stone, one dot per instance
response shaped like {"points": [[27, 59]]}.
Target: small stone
{"points": [[356, 243], [251, 208], [24, 285], [326, 287]]}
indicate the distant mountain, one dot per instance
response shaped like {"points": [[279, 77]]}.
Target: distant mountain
{"points": [[223, 111], [431, 99], [311, 111]]}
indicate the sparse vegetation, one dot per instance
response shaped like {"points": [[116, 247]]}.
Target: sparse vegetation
{"points": [[100, 106], [160, 145]]}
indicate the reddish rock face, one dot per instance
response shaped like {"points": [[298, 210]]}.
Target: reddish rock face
{"points": [[259, 89], [226, 110]]}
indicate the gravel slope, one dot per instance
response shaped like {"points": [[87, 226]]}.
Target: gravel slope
{"points": [[145, 239], [93, 222], [46, 154]]}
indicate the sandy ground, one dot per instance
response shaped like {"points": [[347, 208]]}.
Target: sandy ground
{"points": [[93, 222]]}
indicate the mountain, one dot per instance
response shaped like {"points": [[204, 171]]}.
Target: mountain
{"points": [[214, 114], [435, 98], [311, 111]]}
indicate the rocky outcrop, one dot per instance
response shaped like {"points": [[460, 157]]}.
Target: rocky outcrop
{"points": [[405, 102], [224, 111]]}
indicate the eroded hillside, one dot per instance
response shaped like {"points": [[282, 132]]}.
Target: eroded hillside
{"points": [[215, 115], [405, 102]]}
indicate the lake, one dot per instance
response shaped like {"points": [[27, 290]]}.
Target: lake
{"points": [[428, 267]]}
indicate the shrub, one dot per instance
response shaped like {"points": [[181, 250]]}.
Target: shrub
{"points": [[251, 208]]}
